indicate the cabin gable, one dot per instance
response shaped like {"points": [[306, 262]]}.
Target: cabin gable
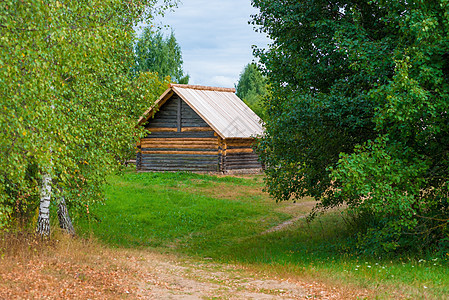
{"points": [[180, 139]]}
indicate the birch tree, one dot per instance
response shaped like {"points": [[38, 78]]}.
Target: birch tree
{"points": [[67, 99]]}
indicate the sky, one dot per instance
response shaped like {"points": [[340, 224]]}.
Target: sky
{"points": [[215, 39]]}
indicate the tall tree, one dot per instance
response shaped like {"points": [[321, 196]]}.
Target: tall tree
{"points": [[252, 88], [67, 99], [154, 53], [358, 112]]}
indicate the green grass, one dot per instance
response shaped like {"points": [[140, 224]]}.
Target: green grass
{"points": [[154, 209], [223, 218]]}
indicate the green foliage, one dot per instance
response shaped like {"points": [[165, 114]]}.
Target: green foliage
{"points": [[252, 88], [147, 87], [358, 113], [66, 96], [154, 53]]}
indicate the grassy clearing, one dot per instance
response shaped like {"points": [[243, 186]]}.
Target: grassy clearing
{"points": [[224, 217], [167, 210]]}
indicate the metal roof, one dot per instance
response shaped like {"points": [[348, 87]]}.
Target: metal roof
{"points": [[226, 113]]}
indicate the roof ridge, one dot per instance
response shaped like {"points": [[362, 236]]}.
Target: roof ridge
{"points": [[204, 88]]}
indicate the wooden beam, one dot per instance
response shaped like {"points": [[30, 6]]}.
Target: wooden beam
{"points": [[232, 151], [146, 143], [193, 129], [180, 146], [162, 129], [240, 142], [168, 142], [181, 139], [182, 152], [239, 145]]}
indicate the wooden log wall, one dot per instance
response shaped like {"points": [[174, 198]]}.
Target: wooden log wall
{"points": [[238, 154], [178, 140]]}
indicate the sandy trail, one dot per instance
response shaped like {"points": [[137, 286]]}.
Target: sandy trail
{"points": [[77, 269], [171, 278], [91, 272]]}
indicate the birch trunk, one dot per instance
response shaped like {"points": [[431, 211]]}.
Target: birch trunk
{"points": [[43, 222], [64, 218]]}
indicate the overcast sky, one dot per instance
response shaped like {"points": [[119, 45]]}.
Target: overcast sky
{"points": [[215, 39]]}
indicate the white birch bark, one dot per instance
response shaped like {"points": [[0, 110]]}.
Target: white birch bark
{"points": [[64, 218], [43, 221]]}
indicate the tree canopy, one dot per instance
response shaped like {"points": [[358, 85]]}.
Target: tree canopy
{"points": [[252, 88], [68, 100], [358, 113], [157, 54]]}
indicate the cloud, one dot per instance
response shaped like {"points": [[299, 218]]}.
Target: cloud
{"points": [[215, 39]]}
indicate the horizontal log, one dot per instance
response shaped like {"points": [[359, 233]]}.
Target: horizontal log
{"points": [[165, 115], [237, 162], [186, 115], [241, 158], [179, 168], [180, 156], [194, 124], [151, 150], [174, 165], [180, 162], [227, 158], [203, 134], [155, 147], [239, 140], [234, 163], [161, 125], [163, 119], [180, 165], [170, 107], [242, 167], [162, 129], [189, 129], [180, 140], [239, 151], [210, 150], [242, 155], [256, 164], [210, 168], [178, 146], [176, 142], [181, 152], [194, 119], [175, 157], [249, 145], [238, 147]]}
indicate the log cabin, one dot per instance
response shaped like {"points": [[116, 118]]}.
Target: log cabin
{"points": [[199, 128]]}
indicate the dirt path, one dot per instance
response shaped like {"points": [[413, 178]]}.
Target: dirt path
{"points": [[79, 271], [175, 279]]}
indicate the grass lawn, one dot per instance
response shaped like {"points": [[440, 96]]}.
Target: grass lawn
{"points": [[224, 218]]}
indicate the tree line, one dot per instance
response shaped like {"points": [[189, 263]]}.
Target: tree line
{"points": [[357, 115]]}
